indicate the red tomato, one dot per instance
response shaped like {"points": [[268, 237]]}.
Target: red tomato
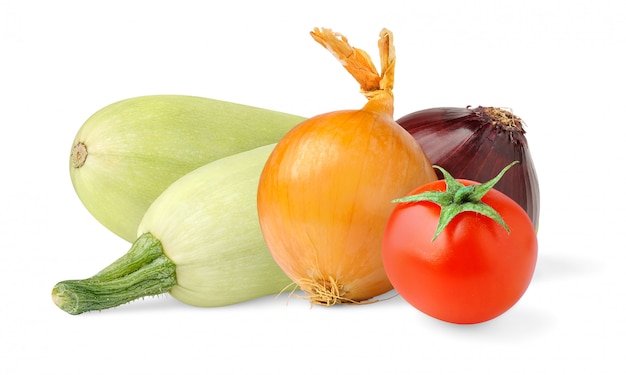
{"points": [[473, 271]]}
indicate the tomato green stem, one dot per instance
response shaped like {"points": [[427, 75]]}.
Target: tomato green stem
{"points": [[144, 271], [460, 198]]}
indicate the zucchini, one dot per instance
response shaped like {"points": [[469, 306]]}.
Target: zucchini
{"points": [[128, 152], [200, 240]]}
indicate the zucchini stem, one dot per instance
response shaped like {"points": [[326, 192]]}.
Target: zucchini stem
{"points": [[143, 271]]}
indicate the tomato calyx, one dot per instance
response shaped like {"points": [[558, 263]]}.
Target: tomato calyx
{"points": [[459, 198]]}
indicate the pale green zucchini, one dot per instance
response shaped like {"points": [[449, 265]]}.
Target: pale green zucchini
{"points": [[200, 240], [127, 153]]}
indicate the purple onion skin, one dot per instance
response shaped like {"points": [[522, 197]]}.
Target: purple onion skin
{"points": [[476, 144]]}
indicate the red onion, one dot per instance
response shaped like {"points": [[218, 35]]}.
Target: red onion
{"points": [[477, 143]]}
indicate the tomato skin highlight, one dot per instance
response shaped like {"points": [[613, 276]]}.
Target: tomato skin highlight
{"points": [[473, 271]]}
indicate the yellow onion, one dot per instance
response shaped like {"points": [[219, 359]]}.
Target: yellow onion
{"points": [[475, 144], [325, 192]]}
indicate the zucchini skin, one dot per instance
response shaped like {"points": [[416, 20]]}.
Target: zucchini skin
{"points": [[127, 153], [208, 225]]}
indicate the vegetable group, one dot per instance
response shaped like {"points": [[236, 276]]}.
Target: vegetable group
{"points": [[459, 251], [128, 152], [200, 241], [326, 190], [224, 203]]}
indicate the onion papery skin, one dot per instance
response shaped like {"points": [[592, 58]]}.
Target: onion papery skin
{"points": [[324, 198], [477, 143]]}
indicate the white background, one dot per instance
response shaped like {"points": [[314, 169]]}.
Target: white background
{"points": [[558, 64]]}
